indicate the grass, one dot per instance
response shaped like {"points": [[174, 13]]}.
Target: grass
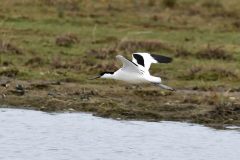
{"points": [[53, 39], [44, 44]]}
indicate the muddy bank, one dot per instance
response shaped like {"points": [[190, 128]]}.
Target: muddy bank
{"points": [[120, 101]]}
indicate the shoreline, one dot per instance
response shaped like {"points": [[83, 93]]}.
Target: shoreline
{"points": [[213, 109]]}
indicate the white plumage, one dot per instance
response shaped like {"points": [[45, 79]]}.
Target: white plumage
{"points": [[137, 70], [148, 60]]}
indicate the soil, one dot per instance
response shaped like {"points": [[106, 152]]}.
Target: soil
{"points": [[122, 101]]}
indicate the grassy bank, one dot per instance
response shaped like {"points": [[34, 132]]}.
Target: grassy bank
{"points": [[70, 41]]}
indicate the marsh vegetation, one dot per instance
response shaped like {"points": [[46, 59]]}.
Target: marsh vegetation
{"points": [[45, 41]]}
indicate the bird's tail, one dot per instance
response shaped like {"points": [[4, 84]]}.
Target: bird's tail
{"points": [[165, 87]]}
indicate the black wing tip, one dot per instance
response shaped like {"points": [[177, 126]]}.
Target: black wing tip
{"points": [[139, 58], [161, 58]]}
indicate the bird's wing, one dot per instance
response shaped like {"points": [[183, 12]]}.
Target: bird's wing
{"points": [[144, 60], [128, 66]]}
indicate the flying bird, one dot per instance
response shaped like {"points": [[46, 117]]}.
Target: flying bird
{"points": [[137, 70]]}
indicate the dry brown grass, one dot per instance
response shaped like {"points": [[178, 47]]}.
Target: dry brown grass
{"points": [[35, 62], [128, 46], [182, 52], [6, 63], [209, 74], [57, 62], [191, 73], [209, 99], [224, 112], [67, 40], [102, 53], [144, 45], [214, 53], [212, 4], [169, 3], [110, 39], [104, 67], [8, 48], [72, 5], [9, 72], [236, 24]]}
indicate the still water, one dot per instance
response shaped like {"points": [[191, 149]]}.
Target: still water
{"points": [[35, 135]]}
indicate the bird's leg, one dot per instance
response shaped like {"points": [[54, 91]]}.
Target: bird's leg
{"points": [[164, 86]]}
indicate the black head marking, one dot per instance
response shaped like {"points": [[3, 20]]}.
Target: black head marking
{"points": [[139, 59], [161, 59], [101, 74]]}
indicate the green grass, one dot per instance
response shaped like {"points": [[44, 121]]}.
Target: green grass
{"points": [[33, 27]]}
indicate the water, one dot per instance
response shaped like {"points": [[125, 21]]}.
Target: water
{"points": [[34, 135]]}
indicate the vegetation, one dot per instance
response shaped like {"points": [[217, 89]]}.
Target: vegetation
{"points": [[56, 39], [73, 40]]}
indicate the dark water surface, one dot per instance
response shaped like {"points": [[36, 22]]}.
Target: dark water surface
{"points": [[34, 135]]}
